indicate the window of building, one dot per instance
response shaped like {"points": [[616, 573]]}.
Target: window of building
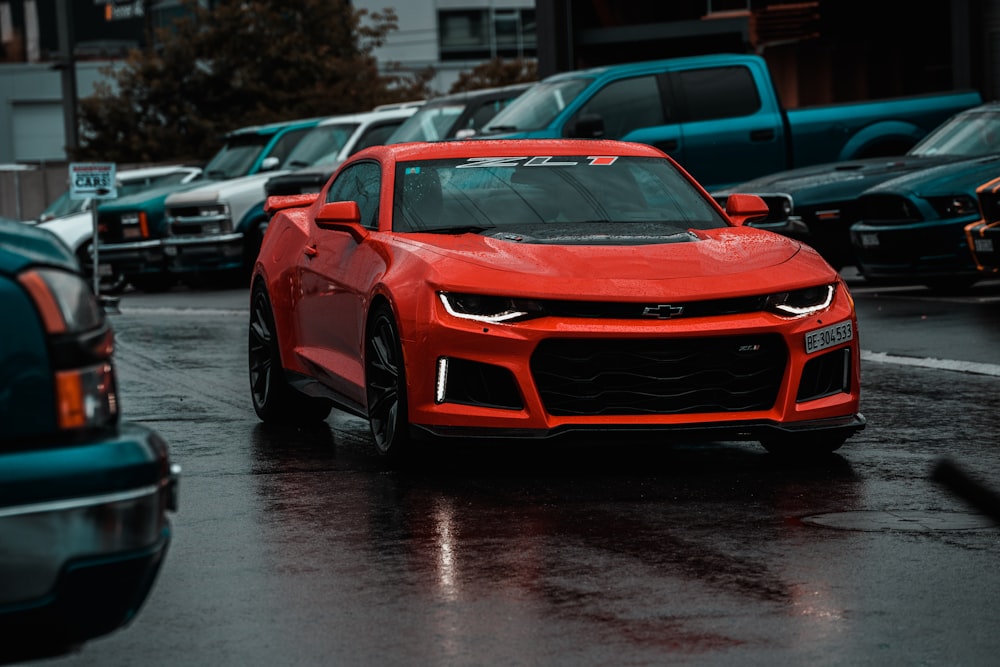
{"points": [[486, 33]]}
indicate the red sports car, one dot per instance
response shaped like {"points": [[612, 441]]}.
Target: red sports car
{"points": [[538, 288]]}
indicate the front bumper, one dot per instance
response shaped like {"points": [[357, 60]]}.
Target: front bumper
{"points": [[133, 258], [742, 376], [185, 254], [83, 531], [917, 250]]}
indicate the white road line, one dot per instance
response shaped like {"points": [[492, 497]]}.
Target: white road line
{"points": [[928, 362]]}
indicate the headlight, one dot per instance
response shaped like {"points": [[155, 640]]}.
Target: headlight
{"points": [[801, 302], [492, 309], [216, 210], [954, 206], [130, 218]]}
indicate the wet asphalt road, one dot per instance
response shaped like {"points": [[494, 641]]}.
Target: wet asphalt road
{"points": [[295, 547]]}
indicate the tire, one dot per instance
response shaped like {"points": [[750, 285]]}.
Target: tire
{"points": [[803, 445], [385, 380], [274, 400]]}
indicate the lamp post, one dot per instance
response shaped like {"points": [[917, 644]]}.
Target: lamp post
{"points": [[64, 24]]}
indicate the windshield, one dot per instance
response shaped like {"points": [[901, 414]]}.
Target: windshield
{"points": [[538, 106], [237, 156], [64, 206], [581, 199], [432, 123], [970, 134], [321, 145]]}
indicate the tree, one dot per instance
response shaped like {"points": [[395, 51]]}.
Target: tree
{"points": [[496, 72], [240, 63]]}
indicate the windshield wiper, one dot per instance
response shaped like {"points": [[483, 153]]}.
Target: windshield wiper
{"points": [[500, 128], [458, 229]]}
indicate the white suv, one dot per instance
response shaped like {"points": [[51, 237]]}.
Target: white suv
{"points": [[217, 229]]}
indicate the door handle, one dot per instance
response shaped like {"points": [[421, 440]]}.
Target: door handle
{"points": [[310, 250]]}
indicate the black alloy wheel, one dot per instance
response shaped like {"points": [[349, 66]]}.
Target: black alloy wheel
{"points": [[385, 378]]}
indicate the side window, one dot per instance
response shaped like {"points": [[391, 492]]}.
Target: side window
{"points": [[376, 134], [627, 105], [360, 183], [720, 92], [285, 143]]}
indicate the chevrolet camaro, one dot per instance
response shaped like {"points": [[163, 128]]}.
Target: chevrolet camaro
{"points": [[536, 289]]}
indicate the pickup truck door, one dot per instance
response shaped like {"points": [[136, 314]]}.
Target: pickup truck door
{"points": [[635, 109], [731, 130]]}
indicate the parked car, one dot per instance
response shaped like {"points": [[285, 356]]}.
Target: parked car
{"points": [[911, 229], [72, 220], [217, 228], [818, 204], [536, 288], [719, 116], [131, 229], [983, 235], [456, 116], [85, 498]]}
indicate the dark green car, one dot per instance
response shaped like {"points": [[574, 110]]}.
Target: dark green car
{"points": [[84, 496]]}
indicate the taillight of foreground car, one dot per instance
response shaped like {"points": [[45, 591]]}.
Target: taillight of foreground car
{"points": [[802, 302], [80, 344]]}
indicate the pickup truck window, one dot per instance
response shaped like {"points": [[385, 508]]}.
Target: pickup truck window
{"points": [[626, 105], [717, 92], [538, 105], [285, 143]]}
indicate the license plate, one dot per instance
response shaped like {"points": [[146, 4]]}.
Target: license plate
{"points": [[104, 270], [869, 240], [829, 336], [984, 245], [170, 251]]}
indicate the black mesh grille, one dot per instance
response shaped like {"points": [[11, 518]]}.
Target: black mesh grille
{"points": [[659, 376], [887, 210], [825, 375]]}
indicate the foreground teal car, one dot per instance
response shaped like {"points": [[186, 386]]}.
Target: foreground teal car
{"points": [[85, 497]]}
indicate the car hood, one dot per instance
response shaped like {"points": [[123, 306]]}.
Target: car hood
{"points": [[714, 263], [838, 181], [215, 191], [153, 197], [947, 179]]}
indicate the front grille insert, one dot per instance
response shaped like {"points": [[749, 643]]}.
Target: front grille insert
{"points": [[659, 376]]}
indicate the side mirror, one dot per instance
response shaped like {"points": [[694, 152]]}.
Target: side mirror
{"points": [[745, 208], [337, 214], [269, 163], [588, 126]]}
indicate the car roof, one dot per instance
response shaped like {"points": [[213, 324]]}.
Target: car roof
{"points": [[374, 115], [487, 148]]}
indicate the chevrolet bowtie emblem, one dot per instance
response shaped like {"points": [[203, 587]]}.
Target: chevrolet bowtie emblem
{"points": [[663, 311]]}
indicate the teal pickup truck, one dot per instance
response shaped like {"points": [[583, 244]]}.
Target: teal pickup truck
{"points": [[719, 116]]}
